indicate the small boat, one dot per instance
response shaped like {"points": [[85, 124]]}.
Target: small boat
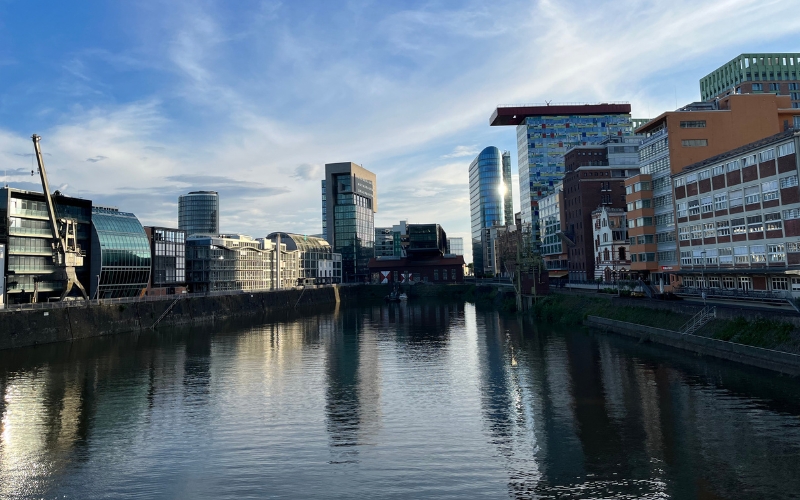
{"points": [[394, 296], [402, 297]]}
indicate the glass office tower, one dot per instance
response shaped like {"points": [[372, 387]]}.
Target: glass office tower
{"points": [[486, 193], [198, 212], [508, 200], [351, 201], [120, 257]]}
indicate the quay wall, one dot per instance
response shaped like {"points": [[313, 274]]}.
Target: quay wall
{"points": [[44, 326], [755, 356]]}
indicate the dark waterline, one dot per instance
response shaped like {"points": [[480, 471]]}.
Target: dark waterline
{"points": [[417, 401]]}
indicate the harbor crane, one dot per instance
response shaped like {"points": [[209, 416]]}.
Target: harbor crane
{"points": [[67, 254]]}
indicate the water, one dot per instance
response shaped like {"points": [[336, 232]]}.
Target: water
{"points": [[417, 401]]}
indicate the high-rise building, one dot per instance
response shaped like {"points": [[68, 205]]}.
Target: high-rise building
{"points": [[487, 205], [384, 242], [755, 74], [674, 140], [198, 212], [350, 197], [455, 246], [120, 257], [551, 219], [545, 133]]}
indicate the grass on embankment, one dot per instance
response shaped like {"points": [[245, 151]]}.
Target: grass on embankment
{"points": [[569, 309], [573, 309]]}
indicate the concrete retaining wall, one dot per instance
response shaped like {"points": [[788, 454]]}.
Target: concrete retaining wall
{"points": [[724, 311], [27, 328], [755, 356]]}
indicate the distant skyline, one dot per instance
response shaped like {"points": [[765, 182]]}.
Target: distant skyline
{"points": [[140, 102]]}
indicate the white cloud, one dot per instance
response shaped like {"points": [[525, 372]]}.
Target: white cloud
{"points": [[462, 151]]}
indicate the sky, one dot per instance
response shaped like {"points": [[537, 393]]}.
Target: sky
{"points": [[139, 102]]}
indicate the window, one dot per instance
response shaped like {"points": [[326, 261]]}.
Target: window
{"points": [[770, 190], [666, 257], [751, 195], [758, 87], [708, 230], [796, 284], [680, 181], [737, 226], [691, 178], [776, 252], [665, 219], [773, 221], [767, 155], [757, 253], [705, 174], [725, 255], [713, 281], [787, 182], [780, 283], [793, 86], [735, 198], [645, 239], [728, 282], [732, 165], [694, 143], [774, 86], [723, 228], [688, 281], [740, 255], [721, 201], [683, 233], [682, 209], [694, 124], [793, 213], [665, 237], [697, 231], [788, 148], [686, 257], [436, 275], [749, 161], [694, 207], [754, 224], [718, 170], [705, 204], [698, 257], [745, 283], [663, 201]]}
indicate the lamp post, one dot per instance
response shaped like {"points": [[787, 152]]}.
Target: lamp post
{"points": [[703, 277]]}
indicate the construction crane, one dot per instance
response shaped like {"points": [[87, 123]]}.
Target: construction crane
{"points": [[67, 254]]}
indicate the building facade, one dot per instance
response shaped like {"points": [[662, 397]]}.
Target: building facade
{"points": [[26, 232], [198, 212], [426, 240], [455, 246], [120, 256], [384, 242], [408, 271], [487, 205], [777, 73], [595, 178], [508, 190], [612, 260], [545, 133], [674, 140], [167, 260], [229, 262], [552, 247], [738, 218], [312, 252], [351, 200]]}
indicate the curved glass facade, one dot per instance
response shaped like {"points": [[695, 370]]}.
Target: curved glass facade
{"points": [[120, 254], [198, 212], [311, 250], [486, 189]]}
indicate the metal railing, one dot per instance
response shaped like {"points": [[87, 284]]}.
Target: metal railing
{"points": [[736, 293], [705, 315], [537, 104]]}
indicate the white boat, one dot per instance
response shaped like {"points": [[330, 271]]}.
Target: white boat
{"points": [[403, 297]]}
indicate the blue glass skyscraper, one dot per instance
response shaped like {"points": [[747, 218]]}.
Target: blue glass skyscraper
{"points": [[487, 192]]}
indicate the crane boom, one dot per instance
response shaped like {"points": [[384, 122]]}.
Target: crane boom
{"points": [[51, 209], [67, 254]]}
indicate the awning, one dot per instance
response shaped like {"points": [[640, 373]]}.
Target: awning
{"points": [[557, 274]]}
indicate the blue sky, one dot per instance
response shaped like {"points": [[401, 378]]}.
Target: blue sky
{"points": [[138, 102]]}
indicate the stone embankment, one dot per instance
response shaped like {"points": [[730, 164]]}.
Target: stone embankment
{"points": [[43, 326]]}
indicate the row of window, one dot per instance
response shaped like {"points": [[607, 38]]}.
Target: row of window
{"points": [[744, 254], [732, 165], [740, 282], [766, 191], [742, 225]]}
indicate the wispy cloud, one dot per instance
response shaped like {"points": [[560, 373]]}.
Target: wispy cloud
{"points": [[462, 152], [96, 159]]}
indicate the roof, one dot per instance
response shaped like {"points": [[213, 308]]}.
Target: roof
{"points": [[457, 260], [515, 114], [735, 153]]}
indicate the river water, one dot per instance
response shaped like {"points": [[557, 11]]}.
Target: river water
{"points": [[398, 401]]}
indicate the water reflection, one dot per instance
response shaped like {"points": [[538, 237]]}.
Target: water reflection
{"points": [[424, 400]]}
